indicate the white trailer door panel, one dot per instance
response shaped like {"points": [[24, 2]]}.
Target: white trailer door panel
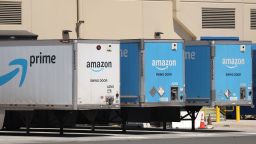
{"points": [[98, 74]]}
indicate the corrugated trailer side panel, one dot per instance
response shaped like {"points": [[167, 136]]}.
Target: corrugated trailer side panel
{"points": [[130, 72], [198, 74], [36, 75]]}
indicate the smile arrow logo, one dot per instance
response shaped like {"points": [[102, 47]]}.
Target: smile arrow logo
{"points": [[9, 76]]}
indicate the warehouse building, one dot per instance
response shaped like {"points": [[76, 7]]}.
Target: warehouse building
{"points": [[131, 19]]}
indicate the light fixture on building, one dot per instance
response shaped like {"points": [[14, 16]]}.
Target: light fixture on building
{"points": [[65, 35], [158, 35]]}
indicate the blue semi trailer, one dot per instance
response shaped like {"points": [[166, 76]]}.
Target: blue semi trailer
{"points": [[152, 80], [152, 73], [251, 110], [219, 73]]}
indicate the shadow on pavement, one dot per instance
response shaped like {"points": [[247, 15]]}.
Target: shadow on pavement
{"points": [[102, 131], [204, 130], [159, 130], [68, 132], [14, 133]]}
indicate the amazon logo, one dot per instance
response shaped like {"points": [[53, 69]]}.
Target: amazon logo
{"points": [[21, 68], [99, 65], [163, 64], [233, 62]]}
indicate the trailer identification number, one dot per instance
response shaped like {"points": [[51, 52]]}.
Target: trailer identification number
{"points": [[98, 80], [163, 74], [233, 74]]}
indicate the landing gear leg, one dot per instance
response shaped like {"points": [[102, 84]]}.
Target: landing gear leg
{"points": [[28, 119], [192, 113], [164, 126]]}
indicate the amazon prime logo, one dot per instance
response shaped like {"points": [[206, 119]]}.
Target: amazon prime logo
{"points": [[9, 76], [232, 62], [190, 55], [163, 64]]}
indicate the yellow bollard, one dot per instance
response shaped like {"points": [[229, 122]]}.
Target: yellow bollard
{"points": [[237, 113], [217, 114]]}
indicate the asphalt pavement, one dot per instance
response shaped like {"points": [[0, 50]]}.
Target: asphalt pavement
{"points": [[229, 132]]}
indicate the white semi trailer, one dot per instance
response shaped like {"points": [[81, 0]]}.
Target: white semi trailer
{"points": [[64, 77]]}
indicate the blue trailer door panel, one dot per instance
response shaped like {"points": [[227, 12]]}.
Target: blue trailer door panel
{"points": [[152, 73], [233, 74], [163, 72]]}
